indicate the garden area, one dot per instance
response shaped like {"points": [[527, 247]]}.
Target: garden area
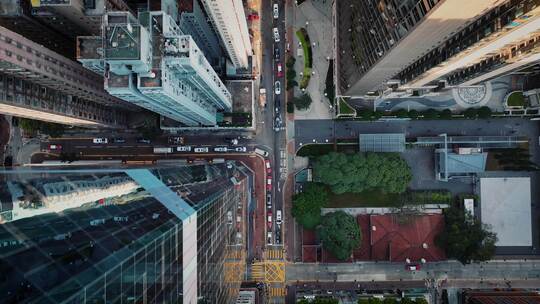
{"points": [[345, 108], [429, 114], [303, 37], [515, 99]]}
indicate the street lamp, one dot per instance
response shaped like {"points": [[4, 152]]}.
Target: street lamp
{"points": [[314, 140]]}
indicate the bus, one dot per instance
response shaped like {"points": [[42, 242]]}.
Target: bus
{"points": [[162, 150]]}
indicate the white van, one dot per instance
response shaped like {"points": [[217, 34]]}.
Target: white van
{"points": [[278, 217], [261, 152]]}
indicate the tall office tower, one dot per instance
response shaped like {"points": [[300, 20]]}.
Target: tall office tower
{"points": [[152, 64], [75, 17], [193, 21], [376, 40], [501, 41], [47, 86], [16, 15], [93, 235], [230, 22]]}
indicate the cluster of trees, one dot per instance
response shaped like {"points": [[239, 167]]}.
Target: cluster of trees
{"points": [[392, 301], [340, 234], [319, 300], [303, 102], [429, 114], [48, 128], [517, 159], [387, 172], [465, 238], [307, 205], [290, 75]]}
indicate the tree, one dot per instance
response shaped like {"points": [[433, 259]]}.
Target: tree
{"points": [[52, 129], [364, 114], [421, 301], [430, 114], [291, 84], [445, 114], [290, 62], [303, 102], [318, 300], [470, 113], [339, 234], [484, 112], [465, 238], [401, 113], [307, 205], [413, 114], [389, 301], [29, 125], [290, 107], [406, 301], [359, 172]]}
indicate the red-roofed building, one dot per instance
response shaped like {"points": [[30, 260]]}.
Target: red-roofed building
{"points": [[412, 239]]}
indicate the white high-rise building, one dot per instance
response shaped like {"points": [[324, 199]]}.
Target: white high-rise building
{"points": [[229, 20]]}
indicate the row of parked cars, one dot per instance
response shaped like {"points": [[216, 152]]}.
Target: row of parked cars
{"points": [[220, 149]]}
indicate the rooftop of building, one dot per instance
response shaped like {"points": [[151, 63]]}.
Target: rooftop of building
{"points": [[242, 95], [89, 47], [455, 163], [505, 205]]}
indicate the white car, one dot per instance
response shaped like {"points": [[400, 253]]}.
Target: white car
{"points": [[183, 149], [220, 149], [276, 11], [277, 87], [278, 217], [276, 35], [100, 140], [269, 237], [201, 150], [240, 149]]}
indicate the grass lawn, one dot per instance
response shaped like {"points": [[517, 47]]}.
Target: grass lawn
{"points": [[516, 99], [345, 108], [306, 47], [315, 149], [363, 199]]}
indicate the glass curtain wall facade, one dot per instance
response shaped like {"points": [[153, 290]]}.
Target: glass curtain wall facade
{"points": [[156, 235]]}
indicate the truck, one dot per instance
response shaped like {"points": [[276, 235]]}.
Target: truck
{"points": [[261, 152], [262, 97], [161, 150]]}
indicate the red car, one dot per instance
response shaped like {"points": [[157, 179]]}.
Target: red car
{"points": [[412, 267], [269, 183], [267, 166], [269, 219], [53, 147], [279, 70]]}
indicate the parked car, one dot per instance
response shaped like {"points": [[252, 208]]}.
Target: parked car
{"points": [[261, 152], [278, 236], [269, 183], [412, 267], [269, 219], [267, 166], [269, 200], [278, 217], [276, 53], [229, 217], [276, 11], [54, 147], [183, 148], [279, 70], [276, 34], [143, 141], [240, 149], [269, 237], [220, 149], [277, 87], [100, 140], [201, 150], [119, 140]]}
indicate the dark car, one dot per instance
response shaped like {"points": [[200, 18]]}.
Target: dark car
{"points": [[278, 235], [276, 54], [119, 140], [143, 141]]}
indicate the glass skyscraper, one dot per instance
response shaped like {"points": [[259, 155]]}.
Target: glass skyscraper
{"points": [[156, 235]]}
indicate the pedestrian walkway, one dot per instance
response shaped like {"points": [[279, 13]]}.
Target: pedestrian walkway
{"points": [[274, 254]]}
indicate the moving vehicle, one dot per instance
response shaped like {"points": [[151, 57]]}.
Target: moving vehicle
{"points": [[269, 219], [261, 152], [229, 217], [183, 148], [276, 34], [201, 150], [119, 140], [143, 141], [276, 54], [220, 149], [412, 267], [100, 140], [269, 200], [278, 235], [277, 87], [232, 140], [269, 237], [240, 149], [276, 11], [163, 150], [53, 147], [269, 183], [267, 166], [278, 217], [279, 70]]}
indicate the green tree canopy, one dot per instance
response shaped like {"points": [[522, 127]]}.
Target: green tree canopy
{"points": [[318, 300], [471, 113], [445, 114], [430, 114], [307, 205], [402, 113], [465, 238], [359, 172], [413, 114], [484, 112], [303, 102], [339, 234]]}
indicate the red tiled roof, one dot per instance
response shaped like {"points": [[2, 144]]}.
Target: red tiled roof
{"points": [[394, 241], [309, 254], [309, 237]]}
